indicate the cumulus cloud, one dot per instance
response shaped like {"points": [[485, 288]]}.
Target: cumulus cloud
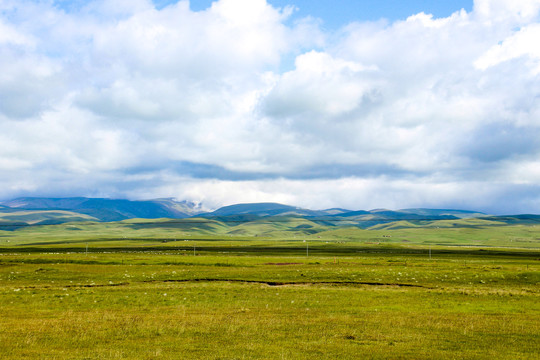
{"points": [[320, 84], [523, 44], [506, 11], [120, 98]]}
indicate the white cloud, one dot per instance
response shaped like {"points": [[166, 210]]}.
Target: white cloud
{"points": [[352, 193], [320, 84], [10, 35], [506, 10], [230, 38], [522, 44], [119, 98]]}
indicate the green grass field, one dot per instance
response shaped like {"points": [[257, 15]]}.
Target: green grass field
{"points": [[112, 291]]}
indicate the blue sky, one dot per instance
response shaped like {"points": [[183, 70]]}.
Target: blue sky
{"points": [[335, 14], [325, 106]]}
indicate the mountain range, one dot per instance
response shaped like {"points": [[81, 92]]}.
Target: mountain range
{"points": [[26, 211], [99, 209], [37, 211]]}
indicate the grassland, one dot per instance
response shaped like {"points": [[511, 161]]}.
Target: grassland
{"points": [[125, 291]]}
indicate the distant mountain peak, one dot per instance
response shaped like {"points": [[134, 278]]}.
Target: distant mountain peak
{"points": [[103, 209], [251, 208], [109, 209]]}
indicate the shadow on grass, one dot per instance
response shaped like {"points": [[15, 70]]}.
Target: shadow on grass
{"points": [[290, 250]]}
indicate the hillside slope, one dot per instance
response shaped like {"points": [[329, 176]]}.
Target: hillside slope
{"points": [[108, 209], [240, 219]]}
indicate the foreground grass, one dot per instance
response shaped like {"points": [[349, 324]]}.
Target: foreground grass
{"points": [[222, 305]]}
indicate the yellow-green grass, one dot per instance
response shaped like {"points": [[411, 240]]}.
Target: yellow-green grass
{"points": [[151, 232], [221, 304]]}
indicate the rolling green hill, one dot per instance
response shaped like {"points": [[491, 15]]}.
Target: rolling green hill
{"points": [[10, 220], [154, 218]]}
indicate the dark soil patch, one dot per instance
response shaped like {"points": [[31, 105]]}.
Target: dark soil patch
{"points": [[284, 263]]}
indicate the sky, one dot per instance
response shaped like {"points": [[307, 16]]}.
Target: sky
{"points": [[320, 104]]}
